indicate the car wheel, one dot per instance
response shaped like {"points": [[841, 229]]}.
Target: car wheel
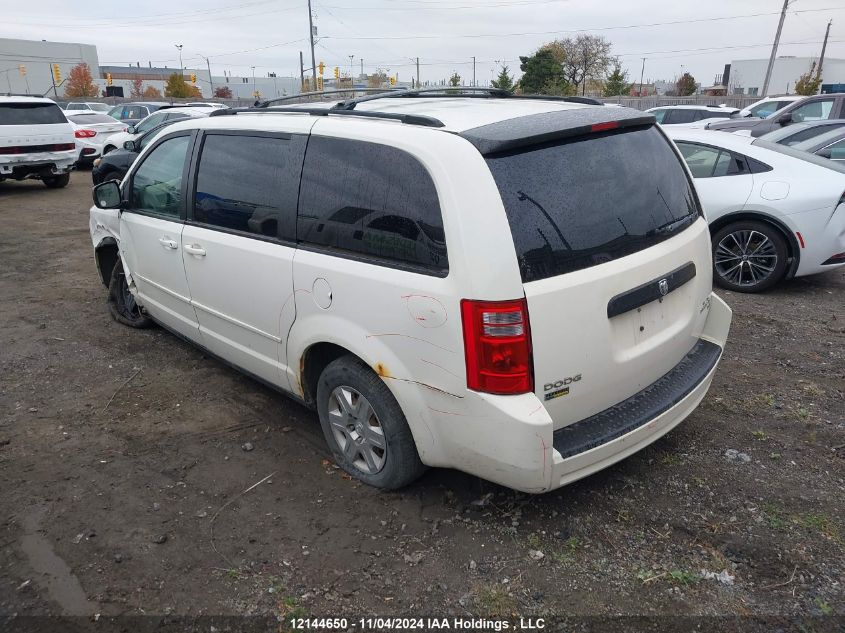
{"points": [[107, 149], [365, 427], [122, 305], [57, 182], [749, 256]]}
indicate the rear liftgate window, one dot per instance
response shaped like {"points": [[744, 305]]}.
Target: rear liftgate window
{"points": [[30, 114], [587, 201]]}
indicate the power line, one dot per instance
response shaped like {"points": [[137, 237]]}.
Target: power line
{"points": [[582, 30]]}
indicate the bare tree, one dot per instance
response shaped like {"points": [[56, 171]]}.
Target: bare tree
{"points": [[583, 58]]}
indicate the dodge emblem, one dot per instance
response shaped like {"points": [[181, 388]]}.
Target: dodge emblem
{"points": [[663, 286]]}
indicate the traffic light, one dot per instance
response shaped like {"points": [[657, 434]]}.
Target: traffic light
{"points": [[393, 81], [320, 84], [108, 79], [57, 74], [22, 70], [193, 78], [321, 67], [337, 72]]}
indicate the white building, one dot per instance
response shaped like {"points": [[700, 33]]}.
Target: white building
{"points": [[747, 75], [36, 58]]}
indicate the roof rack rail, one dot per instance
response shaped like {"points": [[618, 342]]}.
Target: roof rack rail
{"points": [[410, 119], [460, 91], [267, 102]]}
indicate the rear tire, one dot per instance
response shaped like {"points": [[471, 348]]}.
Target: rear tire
{"points": [[122, 305], [749, 256], [57, 182], [364, 426]]}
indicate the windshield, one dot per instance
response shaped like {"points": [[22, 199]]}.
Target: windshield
{"points": [[87, 119], [820, 140], [590, 200], [38, 113]]}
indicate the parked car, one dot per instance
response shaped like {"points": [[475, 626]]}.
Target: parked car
{"points": [[90, 130], [87, 106], [165, 113], [816, 108], [799, 132], [115, 164], [768, 105], [36, 141], [774, 212], [131, 113], [406, 266], [684, 114], [830, 145]]}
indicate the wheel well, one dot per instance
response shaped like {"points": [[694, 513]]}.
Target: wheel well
{"points": [[793, 249], [311, 365], [107, 256]]}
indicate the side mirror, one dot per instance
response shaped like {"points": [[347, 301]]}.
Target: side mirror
{"points": [[130, 129], [785, 119], [130, 146], [107, 195]]}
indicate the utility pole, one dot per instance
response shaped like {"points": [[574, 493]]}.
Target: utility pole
{"points": [[473, 70], [362, 66], [418, 72], [351, 72], [774, 50], [642, 72], [301, 73], [311, 36], [824, 48], [210, 80], [254, 91]]}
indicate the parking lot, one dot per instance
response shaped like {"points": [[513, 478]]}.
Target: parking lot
{"points": [[128, 464]]}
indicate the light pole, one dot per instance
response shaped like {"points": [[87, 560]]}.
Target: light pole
{"points": [[181, 67], [254, 91], [351, 72], [210, 80]]}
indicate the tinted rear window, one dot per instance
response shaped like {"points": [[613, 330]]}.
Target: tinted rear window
{"points": [[82, 119], [30, 114], [590, 200]]}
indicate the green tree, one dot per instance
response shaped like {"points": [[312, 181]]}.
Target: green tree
{"points": [[685, 86], [541, 73], [808, 83], [455, 80], [504, 81], [177, 87], [617, 82], [80, 83]]}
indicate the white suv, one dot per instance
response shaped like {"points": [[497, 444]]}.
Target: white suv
{"points": [[36, 141], [519, 288]]}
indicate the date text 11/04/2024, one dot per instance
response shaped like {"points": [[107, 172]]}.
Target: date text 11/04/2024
{"points": [[418, 624]]}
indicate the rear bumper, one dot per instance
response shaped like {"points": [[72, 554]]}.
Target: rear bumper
{"points": [[37, 165], [511, 440], [586, 447]]}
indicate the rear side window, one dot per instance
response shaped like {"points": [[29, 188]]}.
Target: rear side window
{"points": [[30, 114], [371, 200], [249, 183], [590, 200], [711, 162], [680, 116]]}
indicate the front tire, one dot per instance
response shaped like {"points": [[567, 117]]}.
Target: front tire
{"points": [[364, 426], [57, 182], [749, 256], [122, 305]]}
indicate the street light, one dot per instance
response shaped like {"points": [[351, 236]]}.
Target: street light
{"points": [[181, 67], [351, 72]]}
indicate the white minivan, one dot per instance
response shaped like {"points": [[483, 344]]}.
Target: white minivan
{"points": [[36, 141], [519, 288]]}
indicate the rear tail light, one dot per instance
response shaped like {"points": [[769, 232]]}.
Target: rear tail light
{"points": [[63, 147], [84, 133], [497, 344]]}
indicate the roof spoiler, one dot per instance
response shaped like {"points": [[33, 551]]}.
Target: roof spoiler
{"points": [[545, 127]]}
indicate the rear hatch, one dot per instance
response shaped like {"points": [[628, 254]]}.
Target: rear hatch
{"points": [[33, 127], [615, 260]]}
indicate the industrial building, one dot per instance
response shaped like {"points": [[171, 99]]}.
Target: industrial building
{"points": [[26, 65], [746, 76]]}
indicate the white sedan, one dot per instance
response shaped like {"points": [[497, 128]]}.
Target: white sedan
{"points": [[774, 212], [91, 129]]}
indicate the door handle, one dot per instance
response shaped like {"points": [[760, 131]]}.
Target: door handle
{"points": [[193, 249], [168, 243]]}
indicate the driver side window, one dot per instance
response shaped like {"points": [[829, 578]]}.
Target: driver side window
{"points": [[157, 183]]}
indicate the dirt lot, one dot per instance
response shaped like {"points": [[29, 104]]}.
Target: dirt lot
{"points": [[122, 471]]}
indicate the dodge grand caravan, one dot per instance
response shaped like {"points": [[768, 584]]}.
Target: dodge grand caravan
{"points": [[519, 288]]}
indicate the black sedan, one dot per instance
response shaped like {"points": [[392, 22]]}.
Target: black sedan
{"points": [[115, 164]]}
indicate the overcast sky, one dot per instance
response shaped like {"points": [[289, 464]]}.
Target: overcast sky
{"points": [[444, 34]]}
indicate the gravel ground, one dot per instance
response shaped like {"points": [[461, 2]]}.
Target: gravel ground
{"points": [[127, 489]]}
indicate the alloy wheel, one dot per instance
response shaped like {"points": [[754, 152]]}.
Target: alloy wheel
{"points": [[745, 258]]}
